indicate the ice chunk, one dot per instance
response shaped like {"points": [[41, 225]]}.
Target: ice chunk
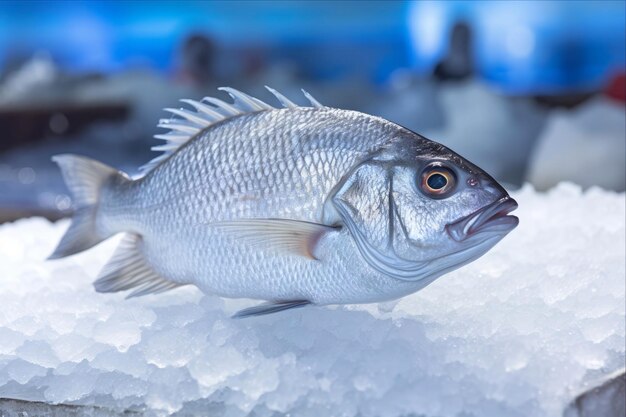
{"points": [[586, 145], [520, 332]]}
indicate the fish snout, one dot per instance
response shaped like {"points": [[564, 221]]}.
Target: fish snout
{"points": [[493, 218]]}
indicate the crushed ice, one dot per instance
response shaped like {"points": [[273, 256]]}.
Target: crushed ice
{"points": [[517, 333]]}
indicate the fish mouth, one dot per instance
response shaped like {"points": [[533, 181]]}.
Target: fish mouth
{"points": [[492, 218]]}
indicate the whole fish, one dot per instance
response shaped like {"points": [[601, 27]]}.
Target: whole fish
{"points": [[292, 205]]}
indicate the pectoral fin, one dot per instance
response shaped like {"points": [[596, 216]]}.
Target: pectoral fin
{"points": [[289, 236], [269, 308]]}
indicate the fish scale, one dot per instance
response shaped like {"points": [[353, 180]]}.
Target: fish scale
{"points": [[296, 205], [213, 192]]}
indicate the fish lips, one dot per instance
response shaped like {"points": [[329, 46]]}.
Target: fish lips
{"points": [[492, 218]]}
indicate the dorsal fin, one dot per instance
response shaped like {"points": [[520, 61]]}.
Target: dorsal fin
{"points": [[185, 124]]}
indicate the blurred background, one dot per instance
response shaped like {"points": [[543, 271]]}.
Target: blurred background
{"points": [[530, 91]]}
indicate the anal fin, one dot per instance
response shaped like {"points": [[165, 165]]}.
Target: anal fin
{"points": [[270, 308], [129, 269]]}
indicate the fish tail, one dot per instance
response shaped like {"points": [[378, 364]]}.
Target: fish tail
{"points": [[85, 179]]}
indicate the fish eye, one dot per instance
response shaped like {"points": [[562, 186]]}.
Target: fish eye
{"points": [[437, 181]]}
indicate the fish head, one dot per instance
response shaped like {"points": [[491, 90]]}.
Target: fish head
{"points": [[416, 209]]}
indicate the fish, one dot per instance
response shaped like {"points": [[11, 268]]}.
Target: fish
{"points": [[291, 205]]}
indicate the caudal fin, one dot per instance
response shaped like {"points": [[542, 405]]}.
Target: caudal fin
{"points": [[84, 178]]}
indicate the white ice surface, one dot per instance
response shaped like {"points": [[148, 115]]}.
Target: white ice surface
{"points": [[517, 333]]}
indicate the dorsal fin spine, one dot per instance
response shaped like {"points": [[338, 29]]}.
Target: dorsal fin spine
{"points": [[210, 110], [222, 105], [166, 147], [314, 102], [180, 127], [177, 137], [244, 99], [192, 117], [203, 108], [283, 100]]}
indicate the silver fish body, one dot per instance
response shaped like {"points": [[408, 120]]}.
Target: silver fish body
{"points": [[294, 205]]}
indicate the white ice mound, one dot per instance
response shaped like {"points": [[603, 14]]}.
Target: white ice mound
{"points": [[518, 333], [586, 145]]}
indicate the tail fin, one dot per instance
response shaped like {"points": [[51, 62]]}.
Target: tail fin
{"points": [[84, 178]]}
